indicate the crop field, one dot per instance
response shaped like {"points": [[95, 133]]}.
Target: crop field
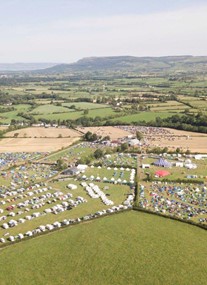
{"points": [[194, 144], [41, 132], [170, 138], [112, 132], [200, 104], [35, 144], [89, 253]]}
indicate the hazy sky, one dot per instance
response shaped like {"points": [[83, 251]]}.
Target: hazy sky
{"points": [[67, 30]]}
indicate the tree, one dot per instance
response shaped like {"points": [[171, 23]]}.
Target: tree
{"points": [[139, 135], [124, 146], [61, 164], [90, 137], [86, 112], [16, 135], [98, 153], [178, 150]]}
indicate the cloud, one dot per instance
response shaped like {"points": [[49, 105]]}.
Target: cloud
{"points": [[169, 33]]}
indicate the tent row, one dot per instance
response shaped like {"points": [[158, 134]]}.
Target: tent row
{"points": [[65, 222]]}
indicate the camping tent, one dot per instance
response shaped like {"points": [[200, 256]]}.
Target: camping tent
{"points": [[162, 173], [162, 162]]}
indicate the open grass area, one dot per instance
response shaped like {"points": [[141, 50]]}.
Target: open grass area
{"points": [[130, 248], [143, 116], [5, 118], [85, 105], [73, 115], [49, 109]]}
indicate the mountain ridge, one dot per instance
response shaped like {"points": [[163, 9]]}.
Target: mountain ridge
{"points": [[132, 63]]}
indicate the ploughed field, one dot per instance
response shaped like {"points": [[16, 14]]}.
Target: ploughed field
{"points": [[127, 248]]}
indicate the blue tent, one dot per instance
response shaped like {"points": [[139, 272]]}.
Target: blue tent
{"points": [[161, 162]]}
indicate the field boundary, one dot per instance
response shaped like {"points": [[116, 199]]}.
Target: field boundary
{"points": [[2, 246], [136, 208]]}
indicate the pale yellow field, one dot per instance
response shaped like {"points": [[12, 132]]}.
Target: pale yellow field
{"points": [[34, 144], [41, 132], [113, 132], [3, 128], [195, 142]]}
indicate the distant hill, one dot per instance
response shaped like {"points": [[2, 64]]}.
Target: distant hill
{"points": [[24, 66], [136, 64]]}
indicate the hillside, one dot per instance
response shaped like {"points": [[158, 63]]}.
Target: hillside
{"points": [[136, 64], [130, 248]]}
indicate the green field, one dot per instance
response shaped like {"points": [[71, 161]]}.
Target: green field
{"points": [[130, 248], [143, 116], [49, 109], [102, 113], [6, 118], [85, 105]]}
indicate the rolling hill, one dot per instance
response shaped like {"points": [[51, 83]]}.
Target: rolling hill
{"points": [[180, 64]]}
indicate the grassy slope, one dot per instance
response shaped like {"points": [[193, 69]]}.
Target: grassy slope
{"points": [[130, 248]]}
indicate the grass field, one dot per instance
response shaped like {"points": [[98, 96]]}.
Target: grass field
{"points": [[143, 116], [130, 248], [85, 105], [49, 109], [71, 115], [6, 118]]}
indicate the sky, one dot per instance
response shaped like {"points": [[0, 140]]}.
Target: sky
{"points": [[63, 31]]}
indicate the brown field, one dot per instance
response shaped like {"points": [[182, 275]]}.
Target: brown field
{"points": [[113, 132], [41, 132], [34, 144], [195, 142], [3, 128]]}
